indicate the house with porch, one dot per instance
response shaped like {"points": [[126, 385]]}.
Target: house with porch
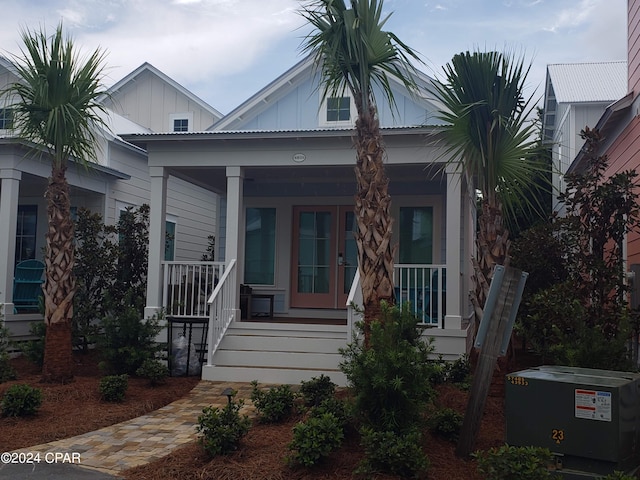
{"points": [[619, 125], [576, 95], [281, 297], [118, 180]]}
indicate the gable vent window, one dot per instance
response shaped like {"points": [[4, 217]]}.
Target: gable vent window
{"points": [[180, 125], [338, 109], [6, 118]]}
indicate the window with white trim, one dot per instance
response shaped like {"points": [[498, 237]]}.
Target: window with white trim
{"points": [[6, 118], [181, 122], [337, 111]]}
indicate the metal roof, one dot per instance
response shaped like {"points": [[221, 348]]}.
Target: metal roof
{"points": [[588, 82]]}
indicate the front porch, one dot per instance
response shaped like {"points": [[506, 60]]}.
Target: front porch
{"points": [[296, 345]]}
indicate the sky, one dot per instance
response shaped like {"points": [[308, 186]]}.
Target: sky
{"points": [[224, 51]]}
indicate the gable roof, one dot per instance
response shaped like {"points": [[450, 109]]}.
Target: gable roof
{"points": [[588, 82], [288, 81], [147, 67]]}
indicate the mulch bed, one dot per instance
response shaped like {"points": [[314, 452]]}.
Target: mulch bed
{"points": [[76, 408], [262, 452]]}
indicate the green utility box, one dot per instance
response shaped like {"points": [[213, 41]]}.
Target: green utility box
{"points": [[589, 418]]}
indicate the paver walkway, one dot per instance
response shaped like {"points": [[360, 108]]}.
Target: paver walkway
{"points": [[144, 439]]}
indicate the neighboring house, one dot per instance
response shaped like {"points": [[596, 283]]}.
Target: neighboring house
{"points": [[283, 166], [576, 95], [118, 180], [620, 124]]}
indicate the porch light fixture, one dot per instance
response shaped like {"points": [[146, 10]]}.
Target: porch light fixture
{"points": [[229, 393]]}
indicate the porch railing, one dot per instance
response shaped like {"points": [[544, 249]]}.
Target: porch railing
{"points": [[222, 309], [420, 287], [187, 287]]}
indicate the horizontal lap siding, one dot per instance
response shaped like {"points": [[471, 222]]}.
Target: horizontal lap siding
{"points": [[623, 156], [195, 212]]}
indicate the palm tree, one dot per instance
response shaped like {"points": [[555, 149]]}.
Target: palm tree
{"points": [[491, 139], [55, 105], [354, 53]]}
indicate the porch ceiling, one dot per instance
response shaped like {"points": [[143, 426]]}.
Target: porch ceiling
{"points": [[310, 180]]}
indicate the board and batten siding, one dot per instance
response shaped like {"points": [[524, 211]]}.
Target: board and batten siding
{"points": [[300, 109], [150, 101]]}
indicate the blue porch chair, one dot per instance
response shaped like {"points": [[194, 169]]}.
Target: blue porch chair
{"points": [[27, 285]]}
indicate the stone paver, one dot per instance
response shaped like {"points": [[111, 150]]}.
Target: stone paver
{"points": [[144, 439]]}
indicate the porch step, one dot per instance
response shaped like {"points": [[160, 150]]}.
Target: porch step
{"points": [[278, 353]]}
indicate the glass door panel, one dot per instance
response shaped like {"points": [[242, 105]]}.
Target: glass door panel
{"points": [[313, 283]]}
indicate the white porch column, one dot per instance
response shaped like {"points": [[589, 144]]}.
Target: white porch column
{"points": [[9, 193], [234, 244], [157, 228], [453, 318]]}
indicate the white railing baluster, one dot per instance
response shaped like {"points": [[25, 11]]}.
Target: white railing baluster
{"points": [[221, 309]]}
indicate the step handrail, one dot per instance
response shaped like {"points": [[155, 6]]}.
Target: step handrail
{"points": [[222, 309]]}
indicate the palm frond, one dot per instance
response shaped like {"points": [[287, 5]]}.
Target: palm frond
{"points": [[55, 102], [489, 133], [354, 52]]}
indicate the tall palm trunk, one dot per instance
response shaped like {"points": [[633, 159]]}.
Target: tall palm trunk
{"points": [[373, 217], [492, 243], [59, 285]]}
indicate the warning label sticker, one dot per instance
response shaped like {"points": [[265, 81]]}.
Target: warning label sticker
{"points": [[593, 405]]}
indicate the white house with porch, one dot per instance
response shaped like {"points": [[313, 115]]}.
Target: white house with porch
{"points": [[278, 302], [118, 180]]}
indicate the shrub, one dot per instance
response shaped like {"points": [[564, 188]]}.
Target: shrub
{"points": [[273, 405], [114, 387], [335, 407], [221, 430], [509, 462], [21, 400], [94, 269], [617, 475], [128, 341], [6, 370], [34, 349], [394, 453], [314, 439], [154, 370], [459, 371], [316, 390], [390, 378], [446, 423]]}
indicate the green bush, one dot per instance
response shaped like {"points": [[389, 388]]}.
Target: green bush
{"points": [[6, 370], [34, 349], [334, 406], [315, 438], [154, 370], [273, 405], [395, 453], [95, 265], [459, 371], [316, 390], [446, 423], [21, 400], [114, 387], [221, 430], [511, 463], [617, 475], [390, 378], [127, 341]]}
